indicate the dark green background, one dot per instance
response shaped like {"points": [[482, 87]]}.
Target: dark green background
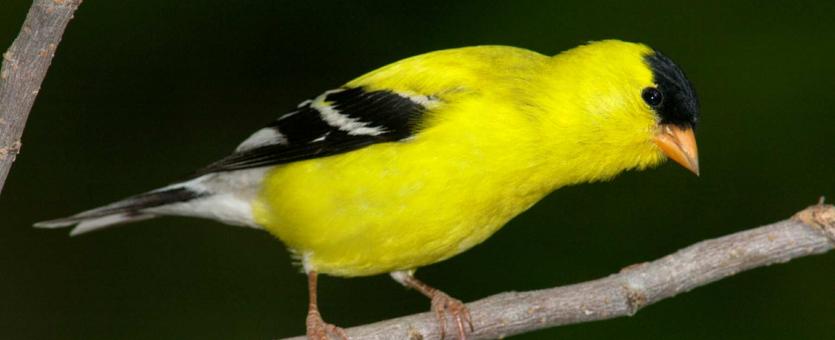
{"points": [[143, 92]]}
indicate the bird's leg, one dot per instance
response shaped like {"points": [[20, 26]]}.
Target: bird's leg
{"points": [[318, 329], [441, 304]]}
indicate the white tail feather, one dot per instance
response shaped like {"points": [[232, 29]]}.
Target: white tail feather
{"points": [[93, 224], [224, 197]]}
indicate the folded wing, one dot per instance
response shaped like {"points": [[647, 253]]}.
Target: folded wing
{"points": [[337, 121]]}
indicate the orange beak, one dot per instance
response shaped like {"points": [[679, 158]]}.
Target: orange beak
{"points": [[679, 144]]}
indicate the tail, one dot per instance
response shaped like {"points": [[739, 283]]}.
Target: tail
{"points": [[223, 196], [131, 209]]}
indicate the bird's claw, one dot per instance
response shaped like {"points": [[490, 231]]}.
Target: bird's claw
{"points": [[318, 329], [443, 304]]}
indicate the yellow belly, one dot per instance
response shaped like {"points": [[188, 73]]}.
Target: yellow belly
{"points": [[393, 206], [511, 126]]}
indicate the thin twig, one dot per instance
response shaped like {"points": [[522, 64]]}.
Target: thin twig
{"points": [[811, 231], [24, 67]]}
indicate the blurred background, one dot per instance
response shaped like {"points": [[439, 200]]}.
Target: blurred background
{"points": [[143, 92]]}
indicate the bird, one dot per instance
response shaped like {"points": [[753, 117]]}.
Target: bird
{"points": [[426, 157]]}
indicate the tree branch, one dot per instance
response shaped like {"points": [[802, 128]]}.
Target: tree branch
{"points": [[24, 68], [811, 231]]}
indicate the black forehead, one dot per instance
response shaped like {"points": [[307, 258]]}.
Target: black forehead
{"points": [[680, 105]]}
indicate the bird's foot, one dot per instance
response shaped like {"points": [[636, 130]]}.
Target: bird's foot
{"points": [[318, 329], [443, 304]]}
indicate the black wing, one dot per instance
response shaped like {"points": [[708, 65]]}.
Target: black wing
{"points": [[337, 121]]}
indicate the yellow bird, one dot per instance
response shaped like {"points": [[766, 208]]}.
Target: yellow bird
{"points": [[420, 160]]}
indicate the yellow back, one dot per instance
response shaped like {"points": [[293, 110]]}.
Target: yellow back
{"points": [[512, 126]]}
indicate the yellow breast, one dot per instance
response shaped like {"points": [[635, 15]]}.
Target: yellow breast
{"points": [[400, 205], [512, 127]]}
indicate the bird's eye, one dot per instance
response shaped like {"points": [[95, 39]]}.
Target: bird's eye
{"points": [[652, 96]]}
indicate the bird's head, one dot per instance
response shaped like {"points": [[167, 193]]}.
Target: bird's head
{"points": [[633, 105], [673, 100]]}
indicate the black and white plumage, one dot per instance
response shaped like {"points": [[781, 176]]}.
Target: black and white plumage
{"points": [[337, 121]]}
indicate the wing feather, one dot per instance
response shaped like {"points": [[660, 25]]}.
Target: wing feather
{"points": [[337, 121]]}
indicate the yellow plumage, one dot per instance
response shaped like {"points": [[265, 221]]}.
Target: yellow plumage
{"points": [[427, 157], [512, 126]]}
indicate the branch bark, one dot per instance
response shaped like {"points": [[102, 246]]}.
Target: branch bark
{"points": [[24, 67], [809, 232]]}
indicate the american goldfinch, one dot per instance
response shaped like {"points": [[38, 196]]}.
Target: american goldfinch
{"points": [[420, 160]]}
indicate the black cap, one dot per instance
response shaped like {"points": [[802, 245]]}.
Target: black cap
{"points": [[680, 105]]}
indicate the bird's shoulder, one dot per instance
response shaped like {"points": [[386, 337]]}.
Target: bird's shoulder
{"points": [[390, 104], [450, 72]]}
